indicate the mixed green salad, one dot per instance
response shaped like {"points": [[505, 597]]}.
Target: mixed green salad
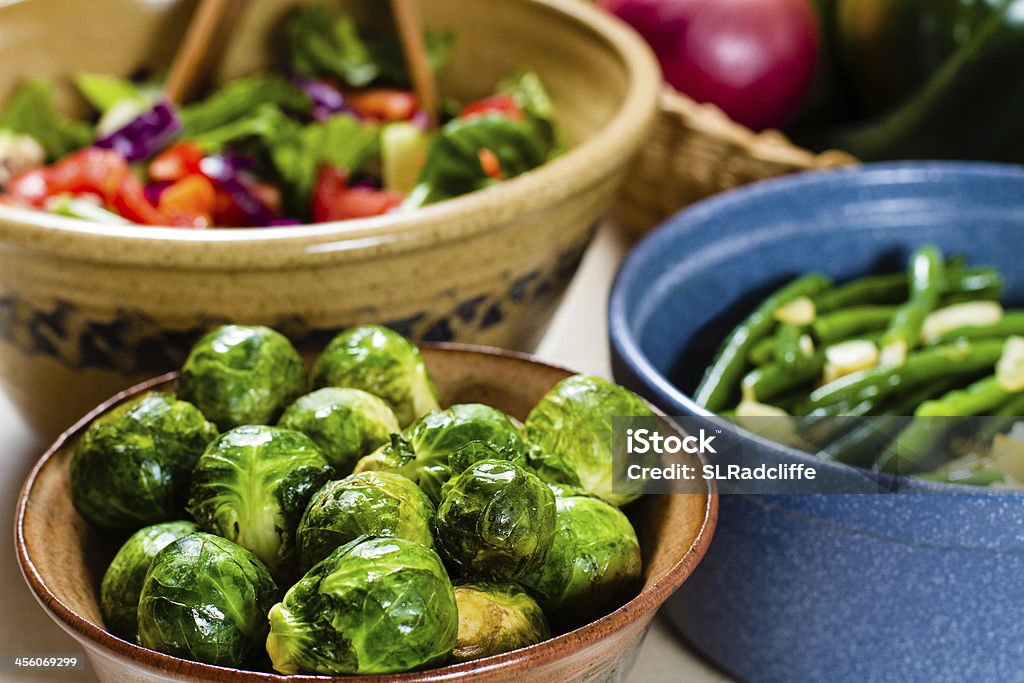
{"points": [[931, 355], [336, 134], [341, 522]]}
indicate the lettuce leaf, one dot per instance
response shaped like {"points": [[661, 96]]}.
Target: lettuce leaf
{"points": [[529, 92], [453, 165], [103, 92], [31, 111], [238, 100]]}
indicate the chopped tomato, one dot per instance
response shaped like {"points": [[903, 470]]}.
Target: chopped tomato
{"points": [[176, 162], [193, 194], [502, 105], [334, 200], [226, 212], [130, 201], [490, 163], [101, 172], [384, 104], [31, 187]]}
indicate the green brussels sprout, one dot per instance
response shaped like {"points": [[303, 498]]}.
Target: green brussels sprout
{"points": [[373, 606], [444, 443], [133, 465], [571, 428], [206, 599], [496, 521], [366, 504], [345, 423], [496, 618], [383, 363], [593, 565], [122, 582], [241, 375], [252, 485]]}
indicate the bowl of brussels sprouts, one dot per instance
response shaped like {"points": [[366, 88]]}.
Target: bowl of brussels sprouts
{"points": [[88, 308], [395, 513], [868, 584]]}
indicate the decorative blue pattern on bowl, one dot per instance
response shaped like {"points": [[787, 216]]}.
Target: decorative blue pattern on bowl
{"points": [[916, 586]]}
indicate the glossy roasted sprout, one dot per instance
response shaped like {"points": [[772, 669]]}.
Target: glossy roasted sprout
{"points": [[496, 521], [252, 485], [444, 443], [373, 606], [496, 618], [122, 582], [133, 465], [593, 564], [206, 599], [383, 363], [345, 423], [241, 375], [366, 504], [571, 429]]}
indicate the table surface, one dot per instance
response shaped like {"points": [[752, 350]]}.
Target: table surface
{"points": [[576, 339]]}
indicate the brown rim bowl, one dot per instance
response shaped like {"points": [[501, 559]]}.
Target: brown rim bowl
{"points": [[63, 559]]}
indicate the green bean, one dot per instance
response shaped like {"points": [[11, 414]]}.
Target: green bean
{"points": [[788, 349], [1003, 418], [904, 331], [930, 364], [983, 476], [719, 381], [859, 446], [958, 282], [1012, 323], [772, 380], [917, 448], [850, 322]]}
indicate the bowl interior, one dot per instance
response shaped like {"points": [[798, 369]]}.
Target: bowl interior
{"points": [[63, 558], [687, 285]]}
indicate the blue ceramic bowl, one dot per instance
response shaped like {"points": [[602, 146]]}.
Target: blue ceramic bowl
{"points": [[922, 586]]}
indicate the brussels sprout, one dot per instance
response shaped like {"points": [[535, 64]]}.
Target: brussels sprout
{"points": [[133, 466], [444, 443], [382, 362], [593, 565], [571, 428], [496, 618], [242, 375], [252, 485], [345, 423], [373, 606], [122, 582], [206, 599], [496, 521], [364, 504]]}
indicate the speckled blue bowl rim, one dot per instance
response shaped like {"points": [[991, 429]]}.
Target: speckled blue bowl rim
{"points": [[641, 267]]}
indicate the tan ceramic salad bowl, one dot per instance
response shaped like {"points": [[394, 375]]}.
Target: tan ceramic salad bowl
{"points": [[63, 559], [85, 310]]}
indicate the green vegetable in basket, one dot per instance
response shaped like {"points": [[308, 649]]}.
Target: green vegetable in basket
{"points": [[495, 618], [242, 375], [122, 582], [383, 363], [571, 428], [252, 485], [373, 606], [345, 423], [134, 464], [593, 564], [495, 521], [206, 599], [364, 504], [444, 443]]}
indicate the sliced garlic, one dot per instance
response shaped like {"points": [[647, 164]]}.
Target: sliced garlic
{"points": [[799, 311], [969, 314], [849, 357], [1010, 368], [894, 353], [1008, 456]]}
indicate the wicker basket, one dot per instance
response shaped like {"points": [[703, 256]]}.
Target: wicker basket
{"points": [[696, 151]]}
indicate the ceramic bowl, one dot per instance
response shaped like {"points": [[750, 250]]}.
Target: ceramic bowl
{"points": [[918, 586], [86, 310], [63, 559]]}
